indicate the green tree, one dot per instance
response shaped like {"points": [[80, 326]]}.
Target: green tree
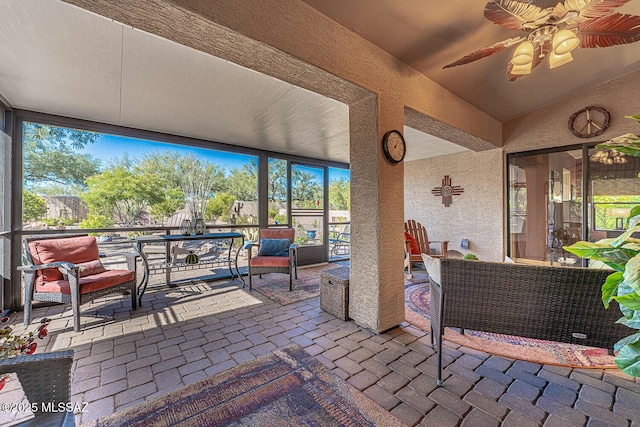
{"points": [[166, 165], [219, 206], [196, 179], [172, 201], [122, 194], [51, 155], [277, 180], [243, 182], [340, 194], [306, 191], [33, 206], [200, 181], [94, 220]]}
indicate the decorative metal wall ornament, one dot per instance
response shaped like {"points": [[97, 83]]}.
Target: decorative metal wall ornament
{"points": [[446, 191], [555, 31], [589, 122]]}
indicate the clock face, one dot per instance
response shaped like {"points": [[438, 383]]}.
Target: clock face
{"points": [[393, 146], [589, 122]]}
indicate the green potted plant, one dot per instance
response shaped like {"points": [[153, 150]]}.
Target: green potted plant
{"points": [[622, 254]]}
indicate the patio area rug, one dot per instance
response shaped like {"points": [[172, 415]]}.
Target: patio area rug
{"points": [[287, 387], [529, 349], [275, 286]]}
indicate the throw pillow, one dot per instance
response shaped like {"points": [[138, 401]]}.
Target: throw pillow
{"points": [[87, 269], [508, 260], [415, 249], [433, 267], [274, 247]]}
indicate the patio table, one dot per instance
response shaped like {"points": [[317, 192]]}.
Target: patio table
{"points": [[167, 265]]}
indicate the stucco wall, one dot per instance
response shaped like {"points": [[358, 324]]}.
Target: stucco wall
{"points": [[476, 214], [547, 127]]}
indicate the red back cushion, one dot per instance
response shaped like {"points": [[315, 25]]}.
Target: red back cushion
{"points": [[71, 249], [415, 249], [278, 233]]}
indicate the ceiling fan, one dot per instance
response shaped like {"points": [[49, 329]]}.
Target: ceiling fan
{"points": [[555, 31]]}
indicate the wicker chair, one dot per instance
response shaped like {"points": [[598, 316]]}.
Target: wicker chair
{"points": [[266, 263], [548, 303], [46, 380], [64, 269], [417, 243]]}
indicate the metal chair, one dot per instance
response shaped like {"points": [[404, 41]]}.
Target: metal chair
{"points": [[266, 263]]}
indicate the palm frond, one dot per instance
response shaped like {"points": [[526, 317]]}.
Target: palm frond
{"points": [[559, 12], [591, 9], [516, 15], [484, 52], [611, 30]]}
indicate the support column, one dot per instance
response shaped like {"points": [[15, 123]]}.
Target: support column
{"points": [[376, 289]]}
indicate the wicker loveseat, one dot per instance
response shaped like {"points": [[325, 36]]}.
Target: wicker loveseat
{"points": [[67, 269], [543, 302]]}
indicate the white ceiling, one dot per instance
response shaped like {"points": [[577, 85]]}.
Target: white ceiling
{"points": [[63, 60]]}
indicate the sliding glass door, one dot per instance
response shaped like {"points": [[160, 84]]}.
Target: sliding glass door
{"points": [[545, 206], [550, 206]]}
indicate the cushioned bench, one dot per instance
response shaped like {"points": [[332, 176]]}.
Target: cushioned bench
{"points": [[543, 302]]}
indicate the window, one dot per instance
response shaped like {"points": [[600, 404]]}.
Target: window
{"points": [[547, 200], [81, 179], [339, 213]]}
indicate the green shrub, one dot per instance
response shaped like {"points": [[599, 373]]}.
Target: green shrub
{"points": [[96, 221]]}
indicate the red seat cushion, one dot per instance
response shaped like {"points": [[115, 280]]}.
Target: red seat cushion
{"points": [[269, 261], [71, 249], [415, 249], [88, 284]]}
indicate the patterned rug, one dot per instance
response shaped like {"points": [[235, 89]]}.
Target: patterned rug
{"points": [[275, 286], [287, 387], [529, 349]]}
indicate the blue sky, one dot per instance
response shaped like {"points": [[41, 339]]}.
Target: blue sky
{"points": [[108, 147]]}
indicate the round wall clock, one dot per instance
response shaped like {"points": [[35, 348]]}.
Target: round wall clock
{"points": [[393, 146], [589, 122]]}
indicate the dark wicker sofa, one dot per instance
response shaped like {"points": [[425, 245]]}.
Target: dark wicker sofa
{"points": [[543, 302]]}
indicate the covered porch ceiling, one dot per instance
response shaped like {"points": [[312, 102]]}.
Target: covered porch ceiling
{"points": [[61, 59], [85, 66]]}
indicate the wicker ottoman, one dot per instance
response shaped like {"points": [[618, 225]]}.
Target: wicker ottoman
{"points": [[334, 292]]}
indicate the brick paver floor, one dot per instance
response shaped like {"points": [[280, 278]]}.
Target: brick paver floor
{"points": [[181, 335]]}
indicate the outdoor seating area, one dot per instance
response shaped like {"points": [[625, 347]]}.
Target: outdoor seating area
{"points": [[267, 213], [187, 334]]}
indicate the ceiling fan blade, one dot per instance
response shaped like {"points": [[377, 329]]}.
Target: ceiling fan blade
{"points": [[516, 15], [594, 8], [610, 30], [559, 12], [484, 52]]}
